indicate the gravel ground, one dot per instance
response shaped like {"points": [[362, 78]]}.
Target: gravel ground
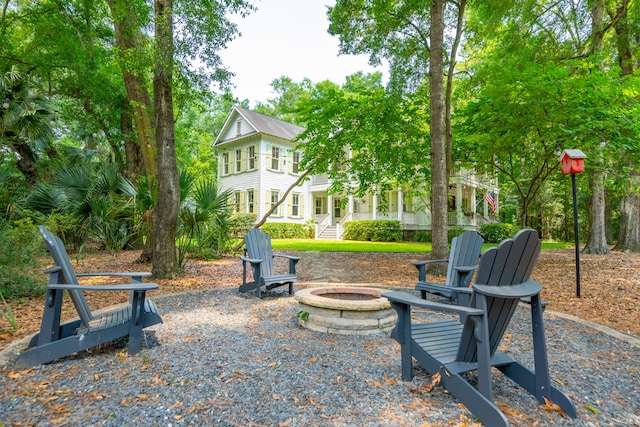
{"points": [[226, 359]]}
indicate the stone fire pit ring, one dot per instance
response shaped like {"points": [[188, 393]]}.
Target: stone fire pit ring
{"points": [[345, 310]]}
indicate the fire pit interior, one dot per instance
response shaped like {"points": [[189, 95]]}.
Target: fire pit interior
{"points": [[345, 310]]}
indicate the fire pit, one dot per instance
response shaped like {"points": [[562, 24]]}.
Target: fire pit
{"points": [[345, 310]]}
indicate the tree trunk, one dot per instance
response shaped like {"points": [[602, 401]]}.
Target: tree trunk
{"points": [[133, 160], [449, 88], [629, 237], [26, 161], [165, 217], [131, 47], [439, 226], [130, 43], [597, 240]]}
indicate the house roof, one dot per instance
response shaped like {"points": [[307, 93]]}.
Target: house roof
{"points": [[264, 124]]}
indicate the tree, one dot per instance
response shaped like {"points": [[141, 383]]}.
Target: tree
{"points": [[165, 218], [25, 116], [410, 36], [626, 29], [363, 138]]}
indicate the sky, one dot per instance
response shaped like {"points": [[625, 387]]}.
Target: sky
{"points": [[286, 38]]}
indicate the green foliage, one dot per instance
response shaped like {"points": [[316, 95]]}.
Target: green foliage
{"points": [[454, 231], [385, 135], [20, 245], [204, 222], [7, 313], [373, 230], [288, 230], [422, 236], [240, 224], [496, 233], [302, 315], [66, 226]]}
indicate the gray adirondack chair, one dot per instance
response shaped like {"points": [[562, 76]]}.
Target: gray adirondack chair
{"points": [[453, 348], [259, 255], [56, 339], [463, 261]]}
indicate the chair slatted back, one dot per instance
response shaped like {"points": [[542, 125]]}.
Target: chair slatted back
{"points": [[465, 249], [258, 246], [511, 263], [61, 258]]}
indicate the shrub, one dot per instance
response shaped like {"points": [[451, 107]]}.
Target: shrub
{"points": [[240, 224], [288, 230], [373, 231], [20, 245], [454, 231], [422, 237], [495, 233]]}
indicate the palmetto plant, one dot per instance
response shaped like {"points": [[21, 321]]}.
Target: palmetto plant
{"points": [[204, 217], [99, 201]]}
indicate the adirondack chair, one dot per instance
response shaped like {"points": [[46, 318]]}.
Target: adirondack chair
{"points": [[93, 328], [463, 261], [454, 347], [259, 255]]}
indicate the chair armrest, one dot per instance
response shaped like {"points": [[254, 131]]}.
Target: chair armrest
{"points": [[293, 258], [111, 274], [419, 264], [466, 268], [526, 289], [122, 287], [463, 275], [412, 300], [422, 267], [135, 277], [251, 260]]}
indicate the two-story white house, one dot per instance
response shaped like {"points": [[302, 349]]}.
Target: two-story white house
{"points": [[258, 162]]}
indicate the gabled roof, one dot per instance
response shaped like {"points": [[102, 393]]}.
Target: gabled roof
{"points": [[263, 124]]}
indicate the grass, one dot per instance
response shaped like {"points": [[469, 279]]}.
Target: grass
{"points": [[356, 246]]}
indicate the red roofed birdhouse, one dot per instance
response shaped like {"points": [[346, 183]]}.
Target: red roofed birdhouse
{"points": [[572, 161]]}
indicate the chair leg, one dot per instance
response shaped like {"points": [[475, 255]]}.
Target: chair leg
{"points": [[483, 408]]}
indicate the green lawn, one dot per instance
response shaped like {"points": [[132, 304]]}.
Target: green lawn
{"points": [[353, 246]]}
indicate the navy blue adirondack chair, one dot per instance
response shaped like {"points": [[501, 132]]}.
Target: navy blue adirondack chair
{"points": [[462, 263], [258, 254], [92, 328], [455, 347]]}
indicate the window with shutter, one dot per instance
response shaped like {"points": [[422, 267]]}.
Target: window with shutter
{"points": [[251, 158], [225, 163], [238, 160], [250, 201], [295, 205], [274, 197], [275, 158]]}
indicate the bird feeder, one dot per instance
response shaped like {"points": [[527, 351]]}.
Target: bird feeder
{"points": [[572, 161]]}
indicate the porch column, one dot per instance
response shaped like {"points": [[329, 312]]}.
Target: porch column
{"points": [[400, 210], [374, 214], [485, 205], [330, 207], [473, 206]]}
